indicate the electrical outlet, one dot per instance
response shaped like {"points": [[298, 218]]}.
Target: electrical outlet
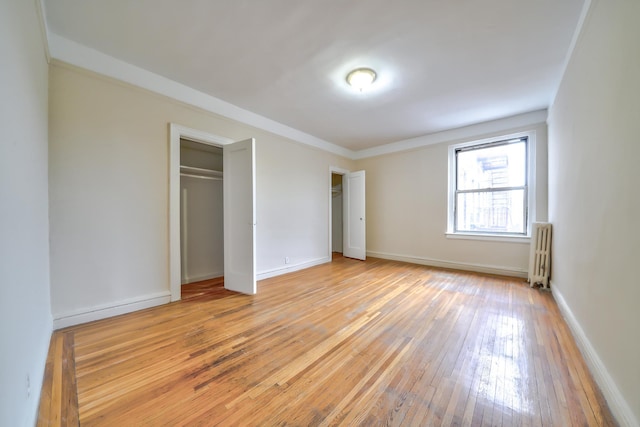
{"points": [[28, 386], [286, 260]]}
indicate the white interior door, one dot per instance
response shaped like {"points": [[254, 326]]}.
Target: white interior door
{"points": [[354, 220], [239, 190]]}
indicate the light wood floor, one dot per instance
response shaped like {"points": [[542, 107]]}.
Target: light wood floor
{"points": [[349, 342], [211, 289]]}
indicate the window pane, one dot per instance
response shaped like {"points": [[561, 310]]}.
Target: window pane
{"points": [[491, 212], [492, 167]]}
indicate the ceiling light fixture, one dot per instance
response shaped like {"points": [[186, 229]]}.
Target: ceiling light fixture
{"points": [[361, 78]]}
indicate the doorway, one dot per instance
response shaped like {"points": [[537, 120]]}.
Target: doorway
{"points": [[347, 221], [336, 215], [239, 210], [201, 216]]}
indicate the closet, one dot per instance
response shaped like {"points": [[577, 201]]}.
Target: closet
{"points": [[201, 212], [336, 213]]}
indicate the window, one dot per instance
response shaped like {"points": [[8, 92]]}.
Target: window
{"points": [[489, 192]]}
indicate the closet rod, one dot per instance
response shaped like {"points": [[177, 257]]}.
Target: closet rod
{"points": [[191, 175], [200, 171]]}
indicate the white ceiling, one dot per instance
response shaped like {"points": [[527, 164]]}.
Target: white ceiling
{"points": [[441, 64]]}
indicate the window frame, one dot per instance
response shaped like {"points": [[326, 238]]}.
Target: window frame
{"points": [[530, 210]]}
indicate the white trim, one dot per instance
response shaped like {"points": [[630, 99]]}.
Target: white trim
{"points": [[175, 133], [586, 8], [480, 268], [199, 136], [489, 238], [291, 268], [338, 170], [194, 279], [68, 51], [82, 56], [103, 311], [531, 179], [73, 53], [44, 28], [472, 131], [618, 405]]}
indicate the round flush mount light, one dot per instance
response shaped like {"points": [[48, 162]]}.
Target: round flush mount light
{"points": [[361, 78]]}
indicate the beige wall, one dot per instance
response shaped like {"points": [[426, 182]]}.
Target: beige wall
{"points": [[407, 210], [594, 150], [25, 310], [109, 191]]}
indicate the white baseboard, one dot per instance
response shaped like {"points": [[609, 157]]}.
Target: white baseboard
{"points": [[103, 311], [214, 275], [480, 268], [618, 405], [291, 268]]}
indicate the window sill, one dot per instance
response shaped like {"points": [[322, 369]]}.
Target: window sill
{"points": [[489, 237]]}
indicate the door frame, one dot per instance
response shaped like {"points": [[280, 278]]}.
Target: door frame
{"points": [[177, 132], [338, 171]]}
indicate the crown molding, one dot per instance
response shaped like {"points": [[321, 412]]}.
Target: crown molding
{"points": [[586, 9], [44, 28], [68, 51], [65, 50], [471, 131]]}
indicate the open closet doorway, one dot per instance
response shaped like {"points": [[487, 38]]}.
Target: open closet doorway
{"points": [[350, 194], [239, 209], [336, 215], [201, 218]]}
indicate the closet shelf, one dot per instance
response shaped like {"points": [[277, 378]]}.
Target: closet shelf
{"points": [[200, 172]]}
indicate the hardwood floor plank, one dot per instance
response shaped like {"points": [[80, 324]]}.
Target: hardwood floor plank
{"points": [[345, 343], [58, 399], [45, 408], [69, 412]]}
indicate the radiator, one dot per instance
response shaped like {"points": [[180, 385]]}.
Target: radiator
{"points": [[540, 256]]}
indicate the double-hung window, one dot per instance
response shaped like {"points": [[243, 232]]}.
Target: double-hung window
{"points": [[489, 190]]}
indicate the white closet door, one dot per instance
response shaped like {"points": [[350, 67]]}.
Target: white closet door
{"points": [[354, 225], [240, 217]]}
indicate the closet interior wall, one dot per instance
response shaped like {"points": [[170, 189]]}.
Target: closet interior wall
{"points": [[336, 213], [201, 212]]}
